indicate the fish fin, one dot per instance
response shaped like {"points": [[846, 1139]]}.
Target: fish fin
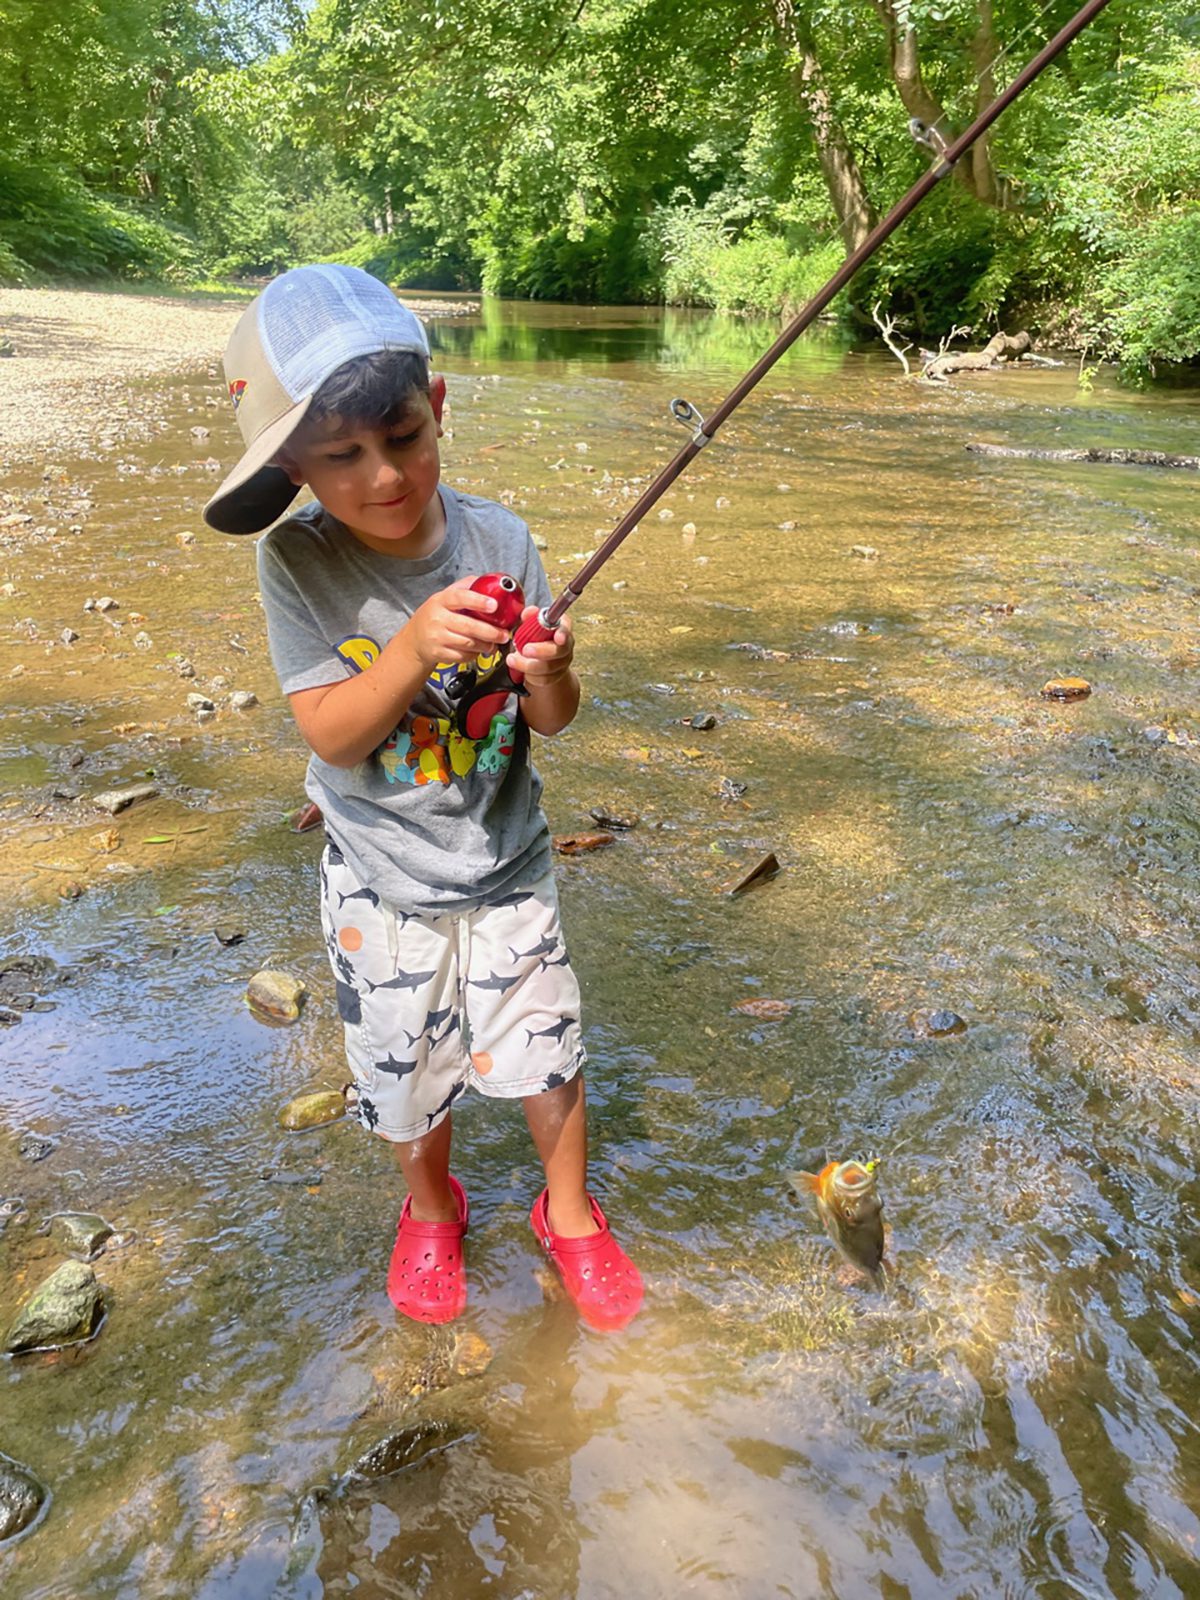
{"points": [[802, 1182]]}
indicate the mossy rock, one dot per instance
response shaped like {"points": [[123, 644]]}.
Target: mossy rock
{"points": [[63, 1309], [314, 1110]]}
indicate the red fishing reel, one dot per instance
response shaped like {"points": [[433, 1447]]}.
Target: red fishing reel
{"points": [[479, 702]]}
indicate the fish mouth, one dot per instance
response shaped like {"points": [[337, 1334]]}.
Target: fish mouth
{"points": [[852, 1177]]}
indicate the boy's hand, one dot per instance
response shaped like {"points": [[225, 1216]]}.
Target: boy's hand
{"points": [[547, 662], [439, 630]]}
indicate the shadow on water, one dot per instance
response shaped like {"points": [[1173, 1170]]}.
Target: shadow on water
{"points": [[1016, 1416]]}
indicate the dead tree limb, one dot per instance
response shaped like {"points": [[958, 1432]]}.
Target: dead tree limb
{"points": [[887, 327], [1113, 458], [1000, 349]]}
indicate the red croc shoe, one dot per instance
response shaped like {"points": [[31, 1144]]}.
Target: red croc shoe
{"points": [[426, 1278], [598, 1275]]}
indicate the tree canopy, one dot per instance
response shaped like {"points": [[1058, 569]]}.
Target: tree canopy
{"points": [[617, 150]]}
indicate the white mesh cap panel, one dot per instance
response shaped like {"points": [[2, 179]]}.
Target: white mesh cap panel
{"points": [[313, 319]]}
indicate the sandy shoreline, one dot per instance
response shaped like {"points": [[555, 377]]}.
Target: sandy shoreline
{"points": [[66, 388]]}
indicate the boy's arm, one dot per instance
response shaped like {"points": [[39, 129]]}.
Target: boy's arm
{"points": [[553, 686], [346, 722]]}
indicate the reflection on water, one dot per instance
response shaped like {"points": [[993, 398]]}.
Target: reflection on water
{"points": [[1017, 1415]]}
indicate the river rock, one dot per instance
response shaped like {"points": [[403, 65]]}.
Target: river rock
{"points": [[114, 800], [200, 702], [275, 994], [21, 1497], [68, 636], [242, 700], [622, 820], [63, 1309], [1066, 689], [314, 1110], [406, 1446], [79, 1233], [936, 1024], [34, 1148]]}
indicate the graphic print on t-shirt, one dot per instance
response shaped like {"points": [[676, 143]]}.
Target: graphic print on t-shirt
{"points": [[426, 749]]}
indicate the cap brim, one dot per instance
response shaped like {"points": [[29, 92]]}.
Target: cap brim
{"points": [[257, 492]]}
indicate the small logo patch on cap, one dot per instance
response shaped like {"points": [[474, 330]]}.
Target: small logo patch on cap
{"points": [[236, 390]]}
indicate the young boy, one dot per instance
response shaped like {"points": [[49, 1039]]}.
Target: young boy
{"points": [[438, 904]]}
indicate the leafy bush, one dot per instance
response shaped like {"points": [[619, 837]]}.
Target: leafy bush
{"points": [[606, 262], [1152, 296], [51, 224]]}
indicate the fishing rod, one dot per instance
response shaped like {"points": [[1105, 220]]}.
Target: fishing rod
{"points": [[542, 625]]}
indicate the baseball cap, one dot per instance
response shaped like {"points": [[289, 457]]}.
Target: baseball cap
{"points": [[303, 326]]}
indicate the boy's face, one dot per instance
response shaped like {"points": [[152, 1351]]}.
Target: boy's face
{"points": [[380, 481]]}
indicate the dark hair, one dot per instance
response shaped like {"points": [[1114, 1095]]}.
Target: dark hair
{"points": [[373, 390]]}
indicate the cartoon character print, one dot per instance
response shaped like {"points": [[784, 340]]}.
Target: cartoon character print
{"points": [[496, 751], [426, 754], [431, 750]]}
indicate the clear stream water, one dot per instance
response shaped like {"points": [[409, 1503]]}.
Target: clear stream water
{"points": [[1017, 1417]]}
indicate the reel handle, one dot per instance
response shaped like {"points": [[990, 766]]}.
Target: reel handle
{"points": [[532, 631]]}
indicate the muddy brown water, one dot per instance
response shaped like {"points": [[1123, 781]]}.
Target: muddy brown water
{"points": [[1018, 1416]]}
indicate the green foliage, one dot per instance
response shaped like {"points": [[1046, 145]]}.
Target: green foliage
{"points": [[605, 262], [1153, 295], [619, 151], [52, 224]]}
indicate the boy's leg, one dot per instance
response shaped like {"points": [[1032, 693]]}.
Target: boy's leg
{"points": [[425, 1163], [557, 1120]]}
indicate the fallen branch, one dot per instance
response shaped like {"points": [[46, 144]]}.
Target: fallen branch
{"points": [[1113, 458], [996, 352], [887, 327]]}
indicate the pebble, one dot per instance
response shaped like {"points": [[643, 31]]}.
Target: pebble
{"points": [[723, 502], [1066, 689], [701, 722], [34, 1148], [242, 700], [68, 636], [200, 702], [142, 641], [865, 552], [622, 821], [936, 1024], [227, 936], [185, 540], [185, 669]]}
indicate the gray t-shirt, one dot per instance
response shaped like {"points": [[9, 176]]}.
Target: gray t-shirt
{"points": [[432, 821]]}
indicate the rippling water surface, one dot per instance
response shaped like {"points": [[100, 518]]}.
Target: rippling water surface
{"points": [[1017, 1417]]}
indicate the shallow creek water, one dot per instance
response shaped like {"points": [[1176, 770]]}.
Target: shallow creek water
{"points": [[1017, 1416]]}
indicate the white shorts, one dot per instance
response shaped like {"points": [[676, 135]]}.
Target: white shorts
{"points": [[431, 1004]]}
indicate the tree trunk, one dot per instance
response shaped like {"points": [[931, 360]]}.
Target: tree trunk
{"points": [[975, 171], [843, 179]]}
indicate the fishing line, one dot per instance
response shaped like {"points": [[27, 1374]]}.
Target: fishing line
{"points": [[541, 625]]}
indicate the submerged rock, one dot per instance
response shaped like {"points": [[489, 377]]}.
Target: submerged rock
{"points": [[406, 1447], [80, 1233], [22, 1496], [275, 994], [34, 1148], [936, 1024], [63, 1309], [114, 800], [314, 1110]]}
